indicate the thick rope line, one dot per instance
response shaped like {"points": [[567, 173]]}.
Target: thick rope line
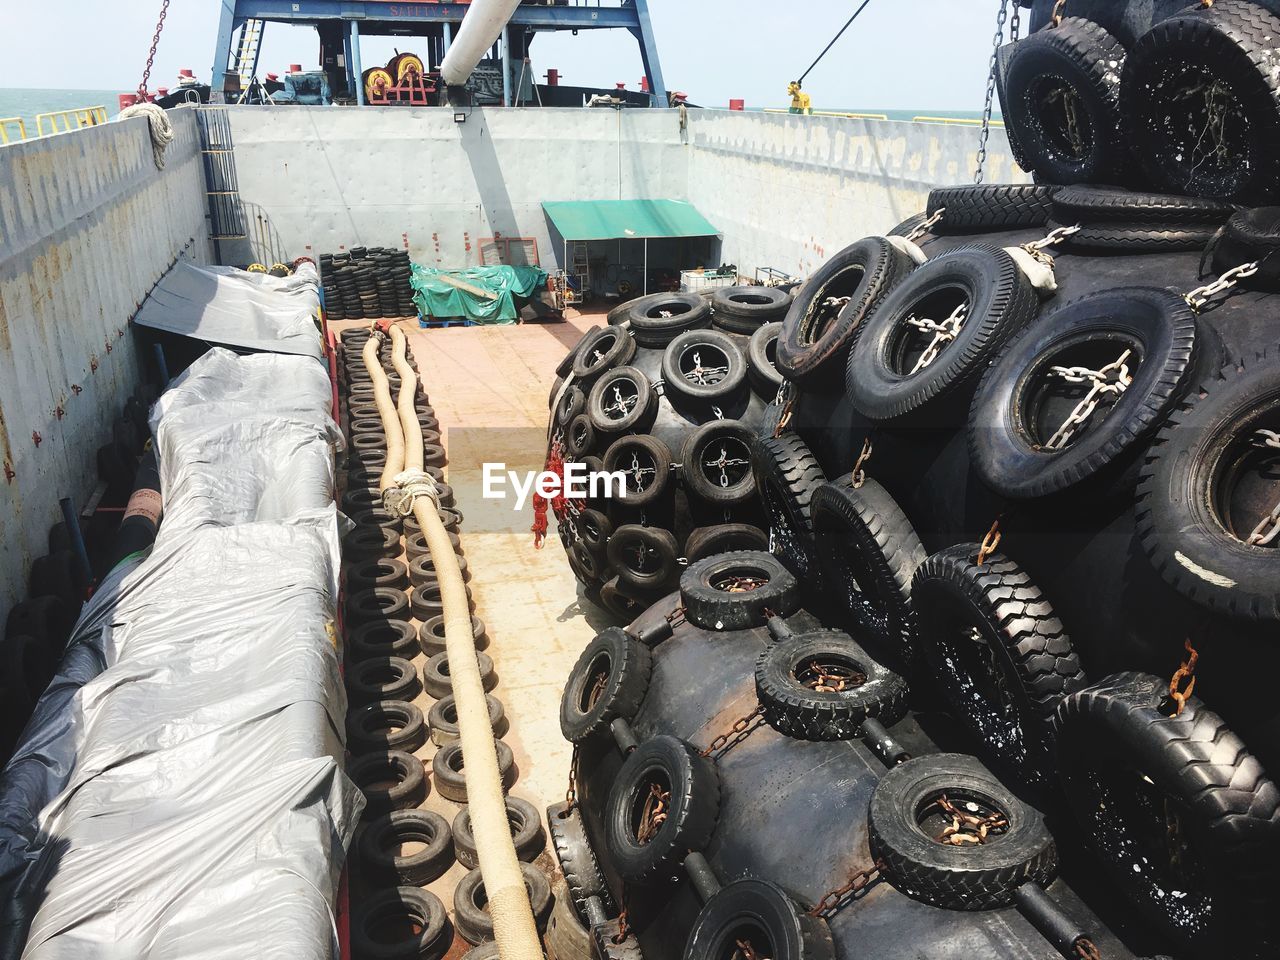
{"points": [[513, 924]]}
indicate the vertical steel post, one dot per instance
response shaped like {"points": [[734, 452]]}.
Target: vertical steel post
{"points": [[347, 63], [77, 539], [506, 66], [222, 50], [646, 266], [448, 37], [649, 54], [355, 55]]}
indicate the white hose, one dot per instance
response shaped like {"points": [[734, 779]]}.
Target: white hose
{"points": [[514, 928], [480, 29]]}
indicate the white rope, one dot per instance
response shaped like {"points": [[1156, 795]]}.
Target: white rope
{"points": [[161, 129], [408, 487]]}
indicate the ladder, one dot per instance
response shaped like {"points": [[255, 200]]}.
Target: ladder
{"points": [[246, 56]]}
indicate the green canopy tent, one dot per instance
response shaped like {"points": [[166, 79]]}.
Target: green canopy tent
{"points": [[588, 220]]}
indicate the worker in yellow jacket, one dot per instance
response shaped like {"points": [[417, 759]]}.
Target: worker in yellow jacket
{"points": [[800, 101]]}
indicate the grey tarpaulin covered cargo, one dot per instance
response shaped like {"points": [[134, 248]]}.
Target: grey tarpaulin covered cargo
{"points": [[223, 305], [179, 791]]}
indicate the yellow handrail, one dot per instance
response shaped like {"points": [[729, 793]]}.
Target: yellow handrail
{"points": [[61, 121], [5, 123], [962, 120], [828, 113]]}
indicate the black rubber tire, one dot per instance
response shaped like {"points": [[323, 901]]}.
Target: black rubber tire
{"points": [[423, 570], [968, 877], [442, 719], [46, 619], [426, 601], [633, 547], [431, 635], [437, 682], [580, 436], [386, 638], [974, 208], [787, 476], [1093, 204], [1119, 752], [618, 315], [745, 309], [602, 350], [407, 791], [999, 655], [762, 360], [723, 538], [385, 725], [595, 529], [556, 384], [635, 417], [1076, 59], [470, 905], [383, 678], [1006, 447], [637, 456], [1136, 237], [689, 311], [572, 403], [869, 551], [690, 348], [623, 665], [370, 543], [27, 665], [592, 566], [57, 575], [717, 608], [709, 453], [381, 841], [1001, 302], [812, 343], [761, 913], [400, 909], [805, 713], [1181, 521], [582, 875], [526, 833], [1251, 236], [694, 809], [371, 574], [449, 772], [1227, 47], [615, 596]]}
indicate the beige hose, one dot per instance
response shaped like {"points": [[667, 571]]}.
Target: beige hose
{"points": [[513, 924], [387, 411]]}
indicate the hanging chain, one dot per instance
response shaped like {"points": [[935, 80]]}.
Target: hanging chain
{"points": [[1198, 297], [927, 225], [785, 399], [657, 807], [943, 334], [624, 927], [989, 543], [1109, 381], [1087, 950], [1268, 528], [155, 44], [1184, 674], [859, 475], [997, 42], [571, 795], [741, 729], [831, 903]]}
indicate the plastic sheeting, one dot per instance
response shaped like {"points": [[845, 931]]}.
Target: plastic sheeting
{"points": [[435, 298], [179, 791], [235, 308]]}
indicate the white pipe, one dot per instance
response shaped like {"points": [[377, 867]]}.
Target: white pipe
{"points": [[480, 28]]}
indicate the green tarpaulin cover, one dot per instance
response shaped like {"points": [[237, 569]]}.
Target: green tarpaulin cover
{"points": [[627, 219], [440, 300]]}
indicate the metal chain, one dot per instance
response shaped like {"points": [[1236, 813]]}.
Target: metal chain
{"points": [[989, 543], [741, 729], [997, 42], [657, 807], [927, 225], [943, 334], [1268, 528], [786, 399], [1103, 385], [831, 902], [155, 44], [859, 475], [676, 617], [1198, 297], [1056, 18], [571, 795], [968, 828], [1055, 236], [1184, 674], [1087, 950]]}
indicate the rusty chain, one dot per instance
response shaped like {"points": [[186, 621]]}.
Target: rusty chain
{"points": [[571, 795], [657, 807], [830, 679], [859, 475], [624, 927], [155, 45], [745, 950], [1087, 950], [1109, 381], [989, 543], [1186, 673], [785, 400], [742, 728], [740, 584], [1056, 17], [676, 617], [968, 827], [831, 902]]}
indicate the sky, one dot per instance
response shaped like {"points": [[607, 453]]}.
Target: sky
{"points": [[900, 54]]}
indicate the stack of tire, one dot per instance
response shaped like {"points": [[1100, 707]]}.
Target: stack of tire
{"points": [[401, 721], [36, 630], [669, 393], [1028, 459], [367, 283]]}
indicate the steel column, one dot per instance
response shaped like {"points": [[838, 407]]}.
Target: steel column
{"points": [[347, 63], [506, 66], [222, 49], [649, 54], [355, 56]]}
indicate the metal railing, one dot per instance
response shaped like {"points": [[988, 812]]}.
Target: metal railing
{"points": [[63, 121], [6, 123]]}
